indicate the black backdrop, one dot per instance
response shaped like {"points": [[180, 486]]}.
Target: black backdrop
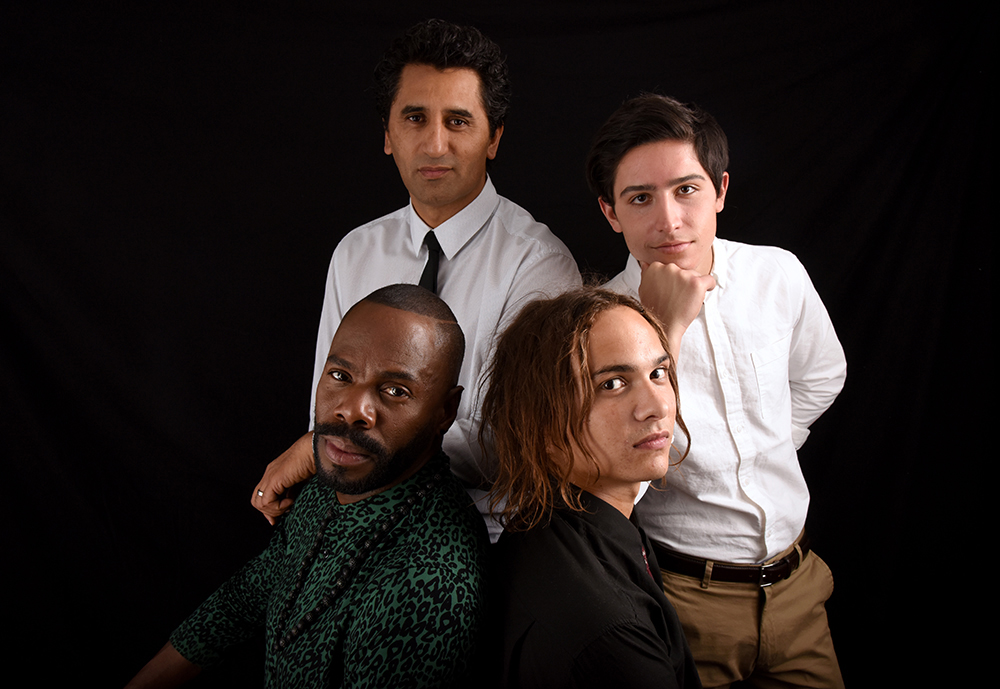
{"points": [[175, 178]]}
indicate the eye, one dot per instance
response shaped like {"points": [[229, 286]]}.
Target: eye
{"points": [[339, 376], [457, 122], [687, 189], [397, 391], [639, 199], [612, 384], [415, 117], [658, 373]]}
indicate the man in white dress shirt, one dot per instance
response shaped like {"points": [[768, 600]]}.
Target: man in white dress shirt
{"points": [[758, 362], [442, 93]]}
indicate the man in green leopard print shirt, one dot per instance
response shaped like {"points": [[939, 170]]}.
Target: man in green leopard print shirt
{"points": [[375, 578]]}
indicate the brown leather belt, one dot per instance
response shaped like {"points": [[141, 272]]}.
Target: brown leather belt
{"points": [[762, 575]]}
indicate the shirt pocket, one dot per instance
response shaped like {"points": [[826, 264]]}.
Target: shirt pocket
{"points": [[770, 365]]}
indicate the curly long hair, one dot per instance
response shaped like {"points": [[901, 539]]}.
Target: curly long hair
{"points": [[538, 401]]}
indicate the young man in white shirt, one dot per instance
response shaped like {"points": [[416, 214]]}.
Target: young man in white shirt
{"points": [[758, 362]]}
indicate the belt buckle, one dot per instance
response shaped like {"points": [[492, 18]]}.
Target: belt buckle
{"points": [[772, 573]]}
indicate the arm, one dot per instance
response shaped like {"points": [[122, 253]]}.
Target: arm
{"points": [[675, 296], [228, 616], [293, 466], [817, 367], [168, 668], [546, 274]]}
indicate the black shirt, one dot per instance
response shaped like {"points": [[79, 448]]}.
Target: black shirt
{"points": [[580, 606]]}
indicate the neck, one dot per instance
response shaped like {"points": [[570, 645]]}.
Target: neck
{"points": [[621, 497], [434, 216]]}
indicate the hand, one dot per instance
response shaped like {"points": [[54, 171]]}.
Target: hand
{"points": [[675, 296], [293, 466]]}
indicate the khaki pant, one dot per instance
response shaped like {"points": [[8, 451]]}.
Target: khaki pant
{"points": [[776, 636]]}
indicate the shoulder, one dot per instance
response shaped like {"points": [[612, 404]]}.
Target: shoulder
{"points": [[445, 534], [520, 227], [761, 259], [389, 227], [548, 570]]}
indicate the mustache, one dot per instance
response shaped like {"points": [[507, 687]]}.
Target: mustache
{"points": [[352, 434]]}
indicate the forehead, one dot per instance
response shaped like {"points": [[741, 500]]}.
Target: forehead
{"points": [[622, 338], [429, 87], [377, 338], [657, 163]]}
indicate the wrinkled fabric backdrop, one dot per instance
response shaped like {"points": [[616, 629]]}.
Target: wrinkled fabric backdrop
{"points": [[174, 178]]}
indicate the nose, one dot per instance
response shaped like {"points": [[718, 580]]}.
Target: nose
{"points": [[435, 139], [670, 214], [355, 407], [654, 402]]}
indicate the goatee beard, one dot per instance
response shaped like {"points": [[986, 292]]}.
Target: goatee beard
{"points": [[386, 466]]}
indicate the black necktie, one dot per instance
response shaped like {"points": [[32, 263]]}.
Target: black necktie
{"points": [[429, 278]]}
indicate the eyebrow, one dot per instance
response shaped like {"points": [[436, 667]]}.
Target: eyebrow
{"points": [[461, 112], [652, 187], [626, 368], [388, 374]]}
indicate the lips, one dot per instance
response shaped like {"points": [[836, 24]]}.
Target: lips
{"points": [[341, 452], [672, 248], [654, 441], [431, 172]]}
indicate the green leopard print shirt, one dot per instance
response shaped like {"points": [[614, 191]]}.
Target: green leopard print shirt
{"points": [[408, 618]]}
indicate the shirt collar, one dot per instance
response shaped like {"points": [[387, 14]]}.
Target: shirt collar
{"points": [[456, 231]]}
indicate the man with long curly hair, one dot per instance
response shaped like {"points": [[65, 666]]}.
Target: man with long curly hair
{"points": [[581, 405]]}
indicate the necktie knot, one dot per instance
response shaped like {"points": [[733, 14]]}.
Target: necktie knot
{"points": [[428, 279]]}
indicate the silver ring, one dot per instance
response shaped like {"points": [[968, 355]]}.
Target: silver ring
{"points": [[260, 493]]}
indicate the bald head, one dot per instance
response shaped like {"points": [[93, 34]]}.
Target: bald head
{"points": [[414, 299]]}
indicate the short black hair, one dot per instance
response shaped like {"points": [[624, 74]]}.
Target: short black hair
{"points": [[423, 302], [647, 119], [441, 45]]}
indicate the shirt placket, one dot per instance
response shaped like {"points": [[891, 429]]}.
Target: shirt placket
{"points": [[732, 400]]}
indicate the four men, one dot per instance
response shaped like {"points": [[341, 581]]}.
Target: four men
{"points": [[758, 362], [375, 579], [757, 359]]}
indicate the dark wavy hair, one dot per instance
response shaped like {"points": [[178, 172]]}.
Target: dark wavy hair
{"points": [[539, 399], [647, 119], [442, 45]]}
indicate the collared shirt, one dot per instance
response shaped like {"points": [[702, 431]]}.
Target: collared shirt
{"points": [[408, 615], [579, 603], [758, 365], [495, 258]]}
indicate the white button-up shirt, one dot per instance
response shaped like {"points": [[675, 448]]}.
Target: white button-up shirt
{"points": [[758, 365], [495, 258]]}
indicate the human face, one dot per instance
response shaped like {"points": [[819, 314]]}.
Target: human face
{"points": [[383, 403], [439, 136], [665, 205], [631, 423]]}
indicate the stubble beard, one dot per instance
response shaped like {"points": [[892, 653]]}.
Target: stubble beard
{"points": [[387, 466]]}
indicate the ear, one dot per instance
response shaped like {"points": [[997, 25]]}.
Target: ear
{"points": [[609, 213], [720, 200], [491, 150], [388, 143], [450, 408]]}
